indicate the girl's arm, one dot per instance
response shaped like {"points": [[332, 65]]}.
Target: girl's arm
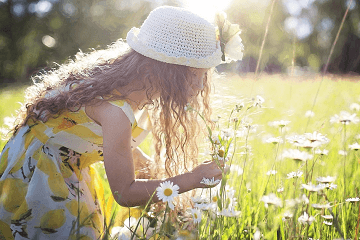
{"points": [[119, 164], [142, 164]]}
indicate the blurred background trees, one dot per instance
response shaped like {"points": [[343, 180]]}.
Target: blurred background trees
{"points": [[37, 34]]}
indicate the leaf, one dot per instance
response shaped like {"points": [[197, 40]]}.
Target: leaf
{"points": [[57, 199]]}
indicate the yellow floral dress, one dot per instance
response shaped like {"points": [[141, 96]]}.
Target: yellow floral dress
{"points": [[50, 187]]}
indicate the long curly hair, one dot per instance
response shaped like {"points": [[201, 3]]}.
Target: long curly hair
{"points": [[99, 72]]}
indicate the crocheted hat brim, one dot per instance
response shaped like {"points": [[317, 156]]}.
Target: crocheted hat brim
{"points": [[207, 62]]}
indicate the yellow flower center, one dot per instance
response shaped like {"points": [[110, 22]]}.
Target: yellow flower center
{"points": [[214, 199], [195, 215], [168, 192]]}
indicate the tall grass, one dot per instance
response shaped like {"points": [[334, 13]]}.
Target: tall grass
{"points": [[286, 98]]}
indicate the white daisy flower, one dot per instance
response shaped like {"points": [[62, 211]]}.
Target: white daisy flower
{"points": [[330, 186], [210, 182], [355, 107], [196, 213], [327, 179], [271, 199], [258, 101], [274, 140], [202, 206], [309, 114], [304, 199], [288, 215], [257, 235], [353, 199], [306, 219], [321, 206], [354, 146], [166, 192], [321, 152], [295, 139], [297, 155], [308, 144], [327, 223], [198, 199], [327, 217], [229, 212], [312, 188], [271, 172], [294, 174], [344, 118], [342, 152], [280, 123]]}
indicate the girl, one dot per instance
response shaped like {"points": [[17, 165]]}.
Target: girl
{"points": [[93, 110]]}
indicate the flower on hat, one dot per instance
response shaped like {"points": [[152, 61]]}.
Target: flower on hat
{"points": [[228, 35]]}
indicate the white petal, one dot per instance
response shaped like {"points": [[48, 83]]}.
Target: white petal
{"points": [[234, 48]]}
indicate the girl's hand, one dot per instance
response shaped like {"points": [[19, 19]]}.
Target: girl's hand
{"points": [[207, 169]]}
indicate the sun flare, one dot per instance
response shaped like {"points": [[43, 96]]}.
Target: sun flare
{"points": [[206, 8]]}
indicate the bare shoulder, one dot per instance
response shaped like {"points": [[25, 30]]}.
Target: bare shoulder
{"points": [[104, 112]]}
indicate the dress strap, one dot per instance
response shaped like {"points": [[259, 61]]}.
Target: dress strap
{"points": [[126, 108]]}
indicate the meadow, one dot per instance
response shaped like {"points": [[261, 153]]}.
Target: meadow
{"points": [[293, 157]]}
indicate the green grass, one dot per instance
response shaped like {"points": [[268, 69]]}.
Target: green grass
{"points": [[286, 98]]}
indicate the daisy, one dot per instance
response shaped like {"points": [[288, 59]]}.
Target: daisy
{"points": [[316, 136], [306, 219], [271, 199], [271, 172], [288, 215], [330, 186], [321, 152], [344, 118], [354, 107], [230, 212], [309, 114], [210, 182], [308, 144], [304, 199], [166, 192], [295, 139], [294, 174], [280, 123], [353, 199], [196, 213], [321, 206], [258, 101], [297, 155], [328, 217], [342, 152], [354, 146], [312, 188], [327, 179], [198, 199], [327, 223], [274, 140]]}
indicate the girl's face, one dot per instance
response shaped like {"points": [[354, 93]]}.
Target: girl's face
{"points": [[197, 83]]}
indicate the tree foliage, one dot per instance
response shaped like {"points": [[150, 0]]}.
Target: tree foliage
{"points": [[36, 34]]}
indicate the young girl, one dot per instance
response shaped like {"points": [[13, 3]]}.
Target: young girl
{"points": [[93, 110]]}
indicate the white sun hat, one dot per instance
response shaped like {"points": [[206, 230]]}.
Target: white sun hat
{"points": [[176, 35]]}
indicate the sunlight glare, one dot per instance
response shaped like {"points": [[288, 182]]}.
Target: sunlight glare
{"points": [[206, 8]]}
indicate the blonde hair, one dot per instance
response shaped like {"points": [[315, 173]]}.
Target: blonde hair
{"points": [[99, 72]]}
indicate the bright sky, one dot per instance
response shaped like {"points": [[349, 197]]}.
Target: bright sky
{"points": [[206, 8]]}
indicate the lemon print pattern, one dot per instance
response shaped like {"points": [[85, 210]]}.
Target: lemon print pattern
{"points": [[48, 180], [52, 220]]}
